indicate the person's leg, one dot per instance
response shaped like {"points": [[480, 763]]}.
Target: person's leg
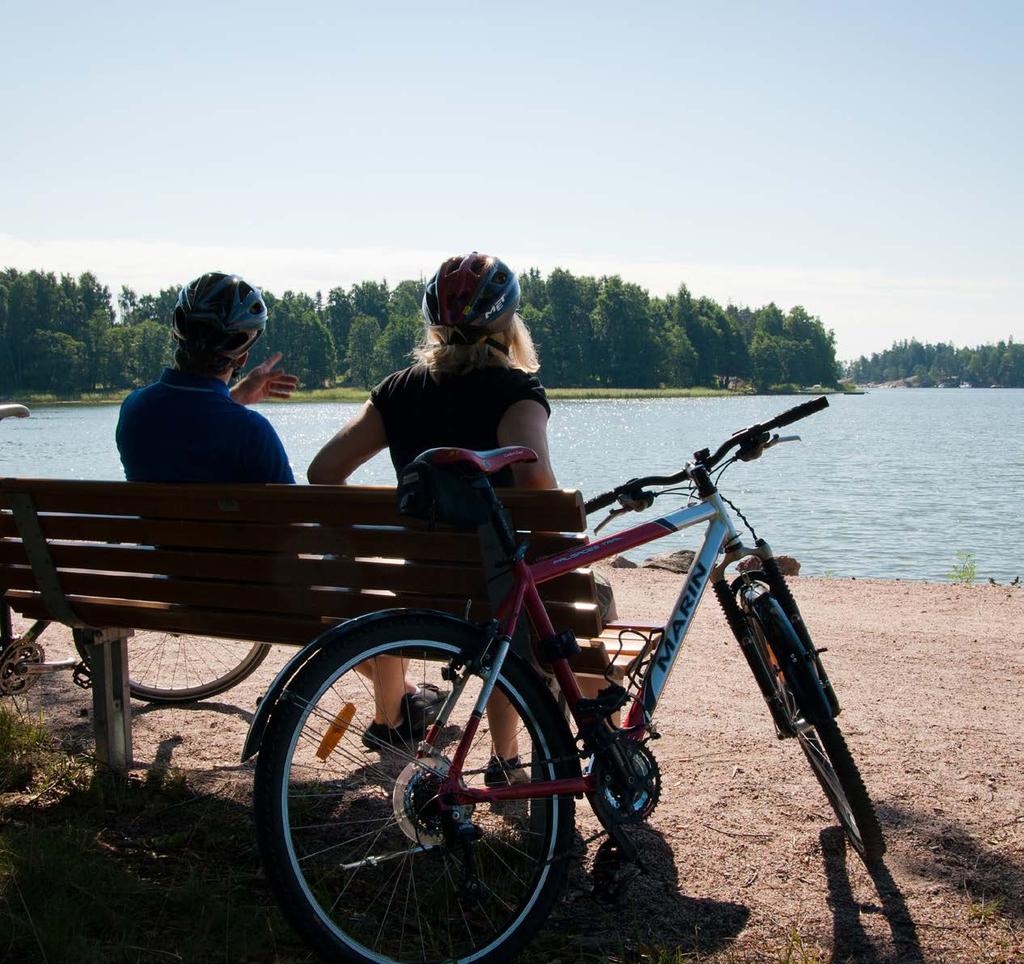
{"points": [[503, 722], [387, 673]]}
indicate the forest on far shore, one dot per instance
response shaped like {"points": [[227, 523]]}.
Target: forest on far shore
{"points": [[70, 336], [1000, 365]]}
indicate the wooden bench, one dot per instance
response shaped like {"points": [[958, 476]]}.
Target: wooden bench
{"points": [[267, 563]]}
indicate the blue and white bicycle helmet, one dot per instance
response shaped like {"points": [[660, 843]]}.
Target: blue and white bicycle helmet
{"points": [[222, 313]]}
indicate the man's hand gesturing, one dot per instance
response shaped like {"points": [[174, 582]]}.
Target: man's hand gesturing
{"points": [[265, 382]]}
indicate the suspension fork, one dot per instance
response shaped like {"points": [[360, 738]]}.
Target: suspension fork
{"points": [[780, 590], [737, 621]]}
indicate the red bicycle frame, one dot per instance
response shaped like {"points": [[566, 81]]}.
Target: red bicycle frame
{"points": [[720, 533]]}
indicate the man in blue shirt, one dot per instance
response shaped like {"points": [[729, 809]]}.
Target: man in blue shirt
{"points": [[188, 426]]}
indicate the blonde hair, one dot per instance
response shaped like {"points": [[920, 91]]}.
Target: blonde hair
{"points": [[441, 358]]}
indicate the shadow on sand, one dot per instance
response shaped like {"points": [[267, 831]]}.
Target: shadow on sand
{"points": [[617, 908], [850, 940]]}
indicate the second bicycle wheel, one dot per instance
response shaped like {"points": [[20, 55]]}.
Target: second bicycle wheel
{"points": [[791, 672], [365, 863], [172, 668]]}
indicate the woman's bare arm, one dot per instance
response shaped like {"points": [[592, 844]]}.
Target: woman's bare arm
{"points": [[526, 423], [357, 441]]}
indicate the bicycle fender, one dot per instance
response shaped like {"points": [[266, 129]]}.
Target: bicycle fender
{"points": [[332, 636]]}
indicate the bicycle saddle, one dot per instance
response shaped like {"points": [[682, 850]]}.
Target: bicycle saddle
{"points": [[487, 462]]}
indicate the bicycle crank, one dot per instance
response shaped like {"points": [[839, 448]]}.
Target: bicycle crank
{"points": [[627, 790]]}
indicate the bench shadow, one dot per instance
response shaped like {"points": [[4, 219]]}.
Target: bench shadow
{"points": [[149, 863], [227, 709], [618, 909], [850, 939]]}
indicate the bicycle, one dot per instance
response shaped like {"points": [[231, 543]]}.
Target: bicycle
{"points": [[434, 852]]}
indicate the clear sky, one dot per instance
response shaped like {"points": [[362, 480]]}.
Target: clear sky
{"points": [[863, 160]]}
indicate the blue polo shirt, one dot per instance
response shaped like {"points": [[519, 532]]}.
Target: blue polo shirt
{"points": [[186, 428]]}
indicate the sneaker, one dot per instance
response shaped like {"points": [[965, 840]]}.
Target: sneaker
{"points": [[419, 710], [422, 705], [380, 736], [504, 773]]}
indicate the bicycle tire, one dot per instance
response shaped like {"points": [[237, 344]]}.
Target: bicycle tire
{"points": [[312, 850], [799, 690], [172, 668]]}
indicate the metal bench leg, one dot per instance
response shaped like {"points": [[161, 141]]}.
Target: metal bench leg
{"points": [[107, 650]]}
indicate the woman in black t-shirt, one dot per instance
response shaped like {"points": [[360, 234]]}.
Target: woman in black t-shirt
{"points": [[472, 386]]}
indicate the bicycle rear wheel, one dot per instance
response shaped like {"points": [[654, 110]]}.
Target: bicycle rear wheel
{"points": [[791, 671], [364, 863]]}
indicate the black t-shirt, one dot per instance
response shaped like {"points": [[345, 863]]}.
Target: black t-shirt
{"points": [[422, 411]]}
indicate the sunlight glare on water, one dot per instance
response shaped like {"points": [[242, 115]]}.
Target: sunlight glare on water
{"points": [[888, 484]]}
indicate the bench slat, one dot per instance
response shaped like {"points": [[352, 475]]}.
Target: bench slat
{"points": [[391, 542], [551, 509], [269, 627], [278, 569]]}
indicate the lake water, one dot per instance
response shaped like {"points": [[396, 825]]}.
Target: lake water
{"points": [[888, 484]]}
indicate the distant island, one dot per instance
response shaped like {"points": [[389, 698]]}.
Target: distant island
{"points": [[909, 364]]}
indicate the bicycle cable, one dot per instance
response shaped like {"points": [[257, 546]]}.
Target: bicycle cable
{"points": [[741, 515]]}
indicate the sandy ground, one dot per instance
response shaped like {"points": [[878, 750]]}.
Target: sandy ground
{"points": [[745, 861]]}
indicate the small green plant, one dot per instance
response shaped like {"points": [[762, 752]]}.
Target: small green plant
{"points": [[965, 569], [985, 910]]}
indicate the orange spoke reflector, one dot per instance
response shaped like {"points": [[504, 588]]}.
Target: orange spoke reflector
{"points": [[336, 731]]}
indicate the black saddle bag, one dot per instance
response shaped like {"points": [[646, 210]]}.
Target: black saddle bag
{"points": [[441, 494]]}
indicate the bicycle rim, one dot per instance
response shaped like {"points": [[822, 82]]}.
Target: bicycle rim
{"points": [[354, 843], [172, 668]]}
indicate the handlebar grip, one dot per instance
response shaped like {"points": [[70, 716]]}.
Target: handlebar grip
{"points": [[599, 502], [797, 413]]}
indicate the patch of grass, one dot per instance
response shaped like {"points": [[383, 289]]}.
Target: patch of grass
{"points": [[582, 393], [23, 745], [136, 870], [797, 952], [965, 569]]}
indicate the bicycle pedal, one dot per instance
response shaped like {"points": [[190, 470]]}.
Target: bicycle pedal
{"points": [[81, 676]]}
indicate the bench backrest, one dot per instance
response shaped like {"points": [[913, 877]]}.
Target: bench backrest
{"points": [[263, 562]]}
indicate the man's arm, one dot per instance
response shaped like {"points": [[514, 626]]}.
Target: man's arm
{"points": [[357, 441], [526, 423]]}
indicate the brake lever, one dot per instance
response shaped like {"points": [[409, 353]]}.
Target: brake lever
{"points": [[611, 515], [756, 451], [627, 503], [779, 439]]}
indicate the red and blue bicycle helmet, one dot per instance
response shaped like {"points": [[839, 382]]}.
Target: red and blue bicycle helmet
{"points": [[474, 294], [221, 313]]}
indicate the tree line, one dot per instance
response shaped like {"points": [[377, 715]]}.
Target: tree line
{"points": [[69, 336], [1001, 364]]}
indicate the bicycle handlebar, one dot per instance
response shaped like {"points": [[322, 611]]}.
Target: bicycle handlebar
{"points": [[798, 412], [750, 438]]}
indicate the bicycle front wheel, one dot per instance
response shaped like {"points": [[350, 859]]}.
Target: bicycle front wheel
{"points": [[805, 707], [364, 862]]}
